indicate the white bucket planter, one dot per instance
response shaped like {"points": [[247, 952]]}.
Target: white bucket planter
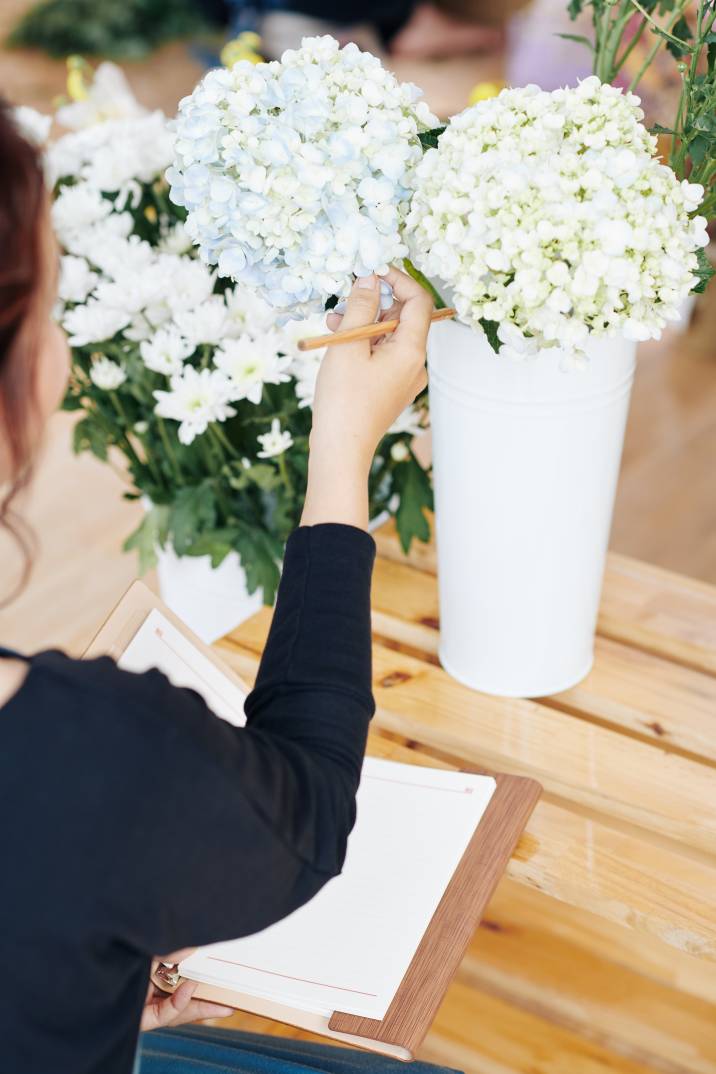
{"points": [[210, 600], [526, 460]]}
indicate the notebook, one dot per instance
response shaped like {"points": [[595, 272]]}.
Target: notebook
{"points": [[368, 960]]}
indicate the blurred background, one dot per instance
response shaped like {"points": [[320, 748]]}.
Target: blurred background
{"points": [[456, 50]]}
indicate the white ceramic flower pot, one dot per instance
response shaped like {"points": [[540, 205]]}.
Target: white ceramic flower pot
{"points": [[210, 600], [526, 460]]}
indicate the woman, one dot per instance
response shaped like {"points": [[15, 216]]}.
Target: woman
{"points": [[133, 822]]}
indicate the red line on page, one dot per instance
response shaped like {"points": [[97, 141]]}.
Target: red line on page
{"points": [[287, 977]]}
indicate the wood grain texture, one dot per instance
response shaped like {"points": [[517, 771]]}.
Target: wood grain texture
{"points": [[588, 766], [442, 948]]}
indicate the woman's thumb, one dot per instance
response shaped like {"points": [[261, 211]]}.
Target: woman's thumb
{"points": [[362, 303]]}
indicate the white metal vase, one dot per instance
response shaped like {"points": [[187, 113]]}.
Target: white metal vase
{"points": [[526, 460], [210, 600]]}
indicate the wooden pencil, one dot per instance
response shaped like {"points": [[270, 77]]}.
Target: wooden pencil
{"points": [[366, 331]]}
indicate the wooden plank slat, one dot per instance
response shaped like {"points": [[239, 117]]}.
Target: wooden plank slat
{"points": [[517, 957], [584, 765], [481, 1034], [654, 891], [646, 696], [643, 606]]}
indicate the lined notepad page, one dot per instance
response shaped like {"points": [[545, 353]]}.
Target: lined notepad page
{"points": [[350, 947], [158, 644]]}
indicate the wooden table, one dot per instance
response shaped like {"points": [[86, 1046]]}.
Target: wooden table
{"points": [[598, 951]]}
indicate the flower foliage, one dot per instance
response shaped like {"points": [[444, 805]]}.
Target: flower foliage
{"points": [[550, 218], [187, 375], [297, 174]]}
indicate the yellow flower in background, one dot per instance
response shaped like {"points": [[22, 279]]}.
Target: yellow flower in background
{"points": [[79, 78], [483, 91], [243, 47]]}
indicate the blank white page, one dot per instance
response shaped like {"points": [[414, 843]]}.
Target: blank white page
{"points": [[158, 644], [350, 947]]}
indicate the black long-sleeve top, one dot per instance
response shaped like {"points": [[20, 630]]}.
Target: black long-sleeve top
{"points": [[134, 822]]}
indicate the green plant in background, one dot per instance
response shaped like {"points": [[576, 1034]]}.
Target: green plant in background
{"points": [[686, 30], [117, 29]]}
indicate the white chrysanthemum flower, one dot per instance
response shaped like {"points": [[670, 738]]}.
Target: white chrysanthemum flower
{"points": [[251, 363], [410, 422], [114, 156], [274, 442], [204, 324], [549, 215], [165, 352], [34, 126], [400, 451], [247, 313], [78, 208], [306, 369], [298, 174], [108, 98], [176, 240], [106, 374], [195, 399], [93, 323], [294, 331], [188, 284], [76, 279]]}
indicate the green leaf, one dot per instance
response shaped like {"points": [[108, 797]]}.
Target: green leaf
{"points": [[260, 555], [192, 512], [490, 330], [575, 8], [429, 139], [579, 38], [216, 545], [150, 535], [412, 484], [418, 276], [705, 271], [658, 129], [88, 435], [682, 30], [698, 148]]}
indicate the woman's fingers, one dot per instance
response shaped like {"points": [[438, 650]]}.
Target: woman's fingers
{"points": [[179, 1008], [415, 313]]}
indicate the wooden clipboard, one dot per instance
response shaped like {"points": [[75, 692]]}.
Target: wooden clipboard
{"points": [[127, 617], [455, 920]]}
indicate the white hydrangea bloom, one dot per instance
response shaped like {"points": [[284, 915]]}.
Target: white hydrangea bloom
{"points": [[549, 214], [106, 374], [165, 351], [195, 399], [274, 442], [93, 323], [297, 174], [250, 363], [77, 279]]}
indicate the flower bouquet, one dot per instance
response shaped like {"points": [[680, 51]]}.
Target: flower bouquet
{"points": [[551, 225], [189, 376]]}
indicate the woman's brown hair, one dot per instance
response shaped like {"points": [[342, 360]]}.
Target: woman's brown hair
{"points": [[23, 283]]}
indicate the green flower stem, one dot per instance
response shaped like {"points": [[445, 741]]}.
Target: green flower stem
{"points": [[283, 470], [174, 462], [127, 445], [223, 439], [619, 63], [658, 43]]}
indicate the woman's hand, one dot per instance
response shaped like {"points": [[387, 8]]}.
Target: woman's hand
{"points": [[163, 1009], [362, 387]]}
